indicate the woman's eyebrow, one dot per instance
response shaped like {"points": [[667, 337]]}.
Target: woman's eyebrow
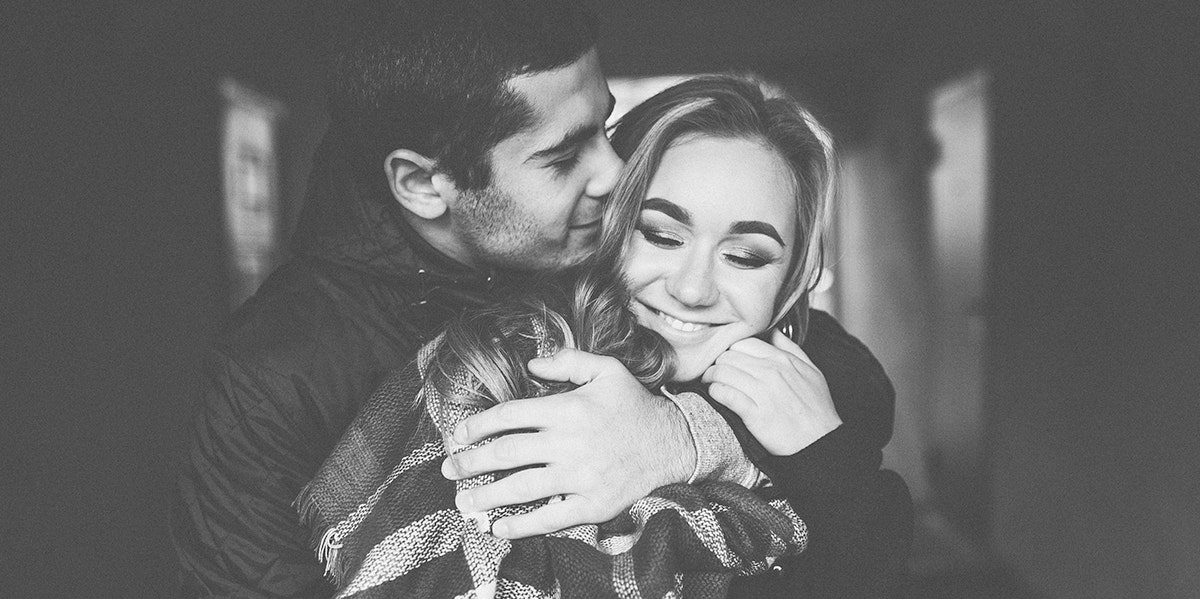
{"points": [[668, 208], [743, 227]]}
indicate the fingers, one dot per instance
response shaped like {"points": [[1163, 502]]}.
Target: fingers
{"points": [[785, 343], [517, 488], [527, 414], [732, 398], [574, 366], [508, 452], [753, 346], [552, 517], [781, 350], [758, 348], [725, 379]]}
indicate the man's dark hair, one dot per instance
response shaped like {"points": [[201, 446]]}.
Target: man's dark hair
{"points": [[430, 76]]}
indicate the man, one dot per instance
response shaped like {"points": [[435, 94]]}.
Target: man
{"points": [[466, 149]]}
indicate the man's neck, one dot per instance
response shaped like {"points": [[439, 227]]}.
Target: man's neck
{"points": [[439, 237]]}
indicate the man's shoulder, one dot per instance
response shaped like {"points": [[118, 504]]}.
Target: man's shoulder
{"points": [[305, 306], [305, 325]]}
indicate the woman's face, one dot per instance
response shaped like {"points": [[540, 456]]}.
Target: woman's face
{"points": [[711, 247]]}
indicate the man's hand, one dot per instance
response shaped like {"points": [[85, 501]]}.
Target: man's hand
{"points": [[776, 389], [602, 446]]}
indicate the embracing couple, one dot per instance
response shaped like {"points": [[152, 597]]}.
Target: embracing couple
{"points": [[683, 426]]}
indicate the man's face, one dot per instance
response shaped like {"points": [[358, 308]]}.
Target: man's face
{"points": [[542, 209]]}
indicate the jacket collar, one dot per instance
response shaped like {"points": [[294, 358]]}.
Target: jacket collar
{"points": [[352, 227]]}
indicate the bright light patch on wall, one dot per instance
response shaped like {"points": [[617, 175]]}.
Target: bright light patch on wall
{"points": [[959, 195], [251, 186]]}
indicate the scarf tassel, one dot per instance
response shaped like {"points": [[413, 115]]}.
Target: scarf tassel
{"points": [[328, 545], [328, 552]]}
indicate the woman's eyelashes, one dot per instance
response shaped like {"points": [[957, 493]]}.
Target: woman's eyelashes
{"points": [[739, 256], [659, 237], [748, 259]]}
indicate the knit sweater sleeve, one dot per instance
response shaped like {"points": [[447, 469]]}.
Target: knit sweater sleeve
{"points": [[719, 455]]}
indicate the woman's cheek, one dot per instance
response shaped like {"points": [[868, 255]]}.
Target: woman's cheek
{"points": [[757, 312]]}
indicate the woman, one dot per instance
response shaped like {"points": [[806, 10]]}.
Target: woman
{"points": [[715, 229]]}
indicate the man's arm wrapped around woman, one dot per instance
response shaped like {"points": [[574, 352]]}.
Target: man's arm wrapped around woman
{"points": [[388, 526], [384, 518]]}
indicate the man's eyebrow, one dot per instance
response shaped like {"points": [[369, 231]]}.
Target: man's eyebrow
{"points": [[573, 137], [743, 227], [668, 208]]}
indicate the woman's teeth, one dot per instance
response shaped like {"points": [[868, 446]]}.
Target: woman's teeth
{"points": [[679, 325]]}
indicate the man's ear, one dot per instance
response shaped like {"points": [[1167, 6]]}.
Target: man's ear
{"points": [[416, 184]]}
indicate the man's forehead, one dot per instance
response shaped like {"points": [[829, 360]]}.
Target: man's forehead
{"points": [[583, 72], [563, 100]]}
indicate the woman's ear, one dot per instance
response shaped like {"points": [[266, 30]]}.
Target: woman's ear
{"points": [[417, 186]]}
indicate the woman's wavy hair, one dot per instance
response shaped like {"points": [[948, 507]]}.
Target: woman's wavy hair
{"points": [[483, 354], [732, 107]]}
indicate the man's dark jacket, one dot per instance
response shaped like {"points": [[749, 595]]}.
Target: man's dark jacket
{"points": [[361, 295]]}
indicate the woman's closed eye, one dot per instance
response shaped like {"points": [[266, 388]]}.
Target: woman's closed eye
{"points": [[747, 259], [660, 237]]}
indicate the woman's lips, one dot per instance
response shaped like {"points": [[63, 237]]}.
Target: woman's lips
{"points": [[676, 324]]}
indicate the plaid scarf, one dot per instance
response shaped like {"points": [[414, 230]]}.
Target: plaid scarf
{"points": [[385, 523]]}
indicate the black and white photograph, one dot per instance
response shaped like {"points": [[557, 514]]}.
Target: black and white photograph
{"points": [[512, 299]]}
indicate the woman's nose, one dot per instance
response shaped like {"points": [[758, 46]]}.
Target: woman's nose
{"points": [[693, 283]]}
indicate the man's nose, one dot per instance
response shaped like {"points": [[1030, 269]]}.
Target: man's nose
{"points": [[607, 170], [694, 283]]}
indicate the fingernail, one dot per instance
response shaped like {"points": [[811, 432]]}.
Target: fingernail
{"points": [[448, 469], [500, 529], [459, 435], [464, 504]]}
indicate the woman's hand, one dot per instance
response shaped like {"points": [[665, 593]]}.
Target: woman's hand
{"points": [[778, 392]]}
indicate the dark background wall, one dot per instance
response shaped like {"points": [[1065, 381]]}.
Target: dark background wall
{"points": [[113, 272], [1094, 364]]}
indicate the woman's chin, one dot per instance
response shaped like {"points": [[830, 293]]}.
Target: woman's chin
{"points": [[686, 373]]}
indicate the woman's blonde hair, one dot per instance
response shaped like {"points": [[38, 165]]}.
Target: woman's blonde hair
{"points": [[483, 354]]}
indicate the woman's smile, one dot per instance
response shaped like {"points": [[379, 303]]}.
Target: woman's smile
{"points": [[669, 325], [678, 324]]}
